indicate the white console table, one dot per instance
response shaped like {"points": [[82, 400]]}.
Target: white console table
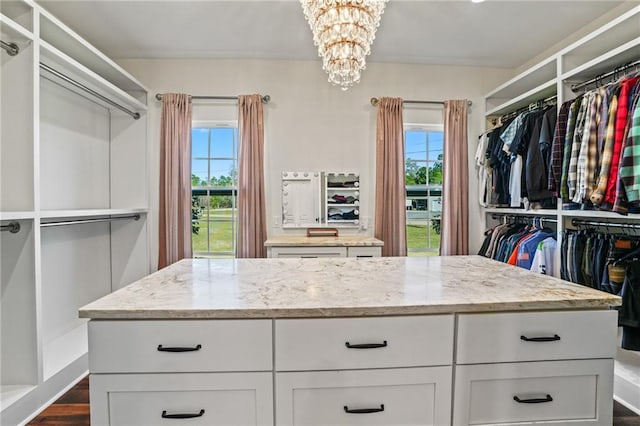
{"points": [[311, 247]]}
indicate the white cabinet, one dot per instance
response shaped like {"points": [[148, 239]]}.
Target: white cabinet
{"points": [[341, 199], [366, 385], [574, 392], [307, 252], [413, 396], [313, 198], [313, 247], [395, 370], [71, 160], [211, 399], [351, 343], [571, 380], [191, 372]]}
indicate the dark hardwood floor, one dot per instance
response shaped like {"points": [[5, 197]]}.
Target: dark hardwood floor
{"points": [[72, 409]]}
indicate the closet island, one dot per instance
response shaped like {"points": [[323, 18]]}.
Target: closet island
{"points": [[432, 341]]}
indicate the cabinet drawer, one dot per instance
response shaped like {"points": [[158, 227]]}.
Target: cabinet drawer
{"points": [[352, 343], [507, 337], [411, 396], [229, 399], [308, 252], [364, 251], [573, 391], [179, 346]]}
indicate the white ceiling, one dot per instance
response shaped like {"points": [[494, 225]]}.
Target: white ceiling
{"points": [[500, 33]]}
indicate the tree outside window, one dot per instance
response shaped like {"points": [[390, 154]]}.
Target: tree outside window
{"points": [[423, 180]]}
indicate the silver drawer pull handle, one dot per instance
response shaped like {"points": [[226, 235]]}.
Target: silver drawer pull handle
{"points": [[540, 339], [363, 410], [533, 400]]}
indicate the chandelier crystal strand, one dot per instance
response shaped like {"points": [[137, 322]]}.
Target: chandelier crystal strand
{"points": [[343, 30]]}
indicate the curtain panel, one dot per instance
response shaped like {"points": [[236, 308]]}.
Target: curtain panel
{"points": [[175, 179], [390, 218], [252, 218], [454, 237]]}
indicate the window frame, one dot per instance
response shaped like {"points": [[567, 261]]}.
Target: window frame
{"points": [[426, 193], [210, 190]]}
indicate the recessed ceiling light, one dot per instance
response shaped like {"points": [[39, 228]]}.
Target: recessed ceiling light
{"points": [[477, 1]]}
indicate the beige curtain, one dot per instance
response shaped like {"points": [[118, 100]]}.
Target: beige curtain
{"points": [[252, 218], [454, 237], [175, 179], [390, 219]]}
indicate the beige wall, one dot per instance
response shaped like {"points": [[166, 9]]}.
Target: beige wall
{"points": [[311, 125]]}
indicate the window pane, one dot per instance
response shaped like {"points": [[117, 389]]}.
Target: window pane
{"points": [[435, 173], [200, 143], [199, 172], [222, 139], [223, 173], [435, 145], [199, 233], [415, 145], [221, 235]]}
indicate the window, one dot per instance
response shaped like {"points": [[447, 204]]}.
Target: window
{"points": [[423, 179], [214, 173]]}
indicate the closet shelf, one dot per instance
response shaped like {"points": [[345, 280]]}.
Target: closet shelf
{"points": [[534, 76], [595, 214], [89, 213], [16, 215], [54, 32], [621, 55], [73, 69], [14, 31], [539, 212], [542, 91], [618, 32]]}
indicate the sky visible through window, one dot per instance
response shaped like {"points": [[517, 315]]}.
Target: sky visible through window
{"points": [[215, 159]]}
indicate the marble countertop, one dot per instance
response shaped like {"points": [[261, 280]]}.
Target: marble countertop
{"points": [[340, 287], [301, 240]]}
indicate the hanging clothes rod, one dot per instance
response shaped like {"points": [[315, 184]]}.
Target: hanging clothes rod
{"points": [[76, 222], [12, 227], [11, 48], [135, 115], [375, 101], [520, 217], [581, 222], [265, 99], [621, 69]]}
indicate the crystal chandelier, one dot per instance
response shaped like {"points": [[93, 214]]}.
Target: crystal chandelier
{"points": [[343, 30]]}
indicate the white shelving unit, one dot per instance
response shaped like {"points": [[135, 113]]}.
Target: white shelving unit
{"points": [[336, 187], [72, 161], [608, 47]]}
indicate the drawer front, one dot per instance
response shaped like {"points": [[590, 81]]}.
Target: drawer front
{"points": [[411, 396], [308, 252], [179, 346], [485, 338], [229, 399], [355, 343], [364, 251], [571, 391]]}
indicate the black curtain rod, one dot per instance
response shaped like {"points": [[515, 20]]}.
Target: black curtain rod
{"points": [[620, 69], [12, 227], [11, 48], [265, 99], [374, 102]]}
